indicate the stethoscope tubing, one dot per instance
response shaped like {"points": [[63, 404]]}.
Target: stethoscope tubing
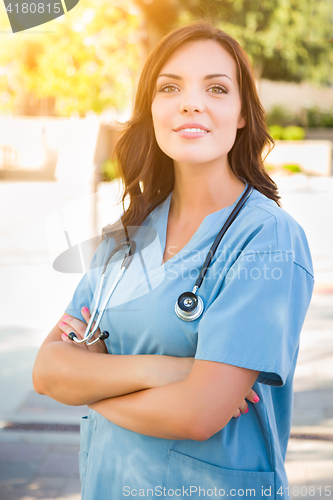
{"points": [[128, 247], [189, 306], [219, 237]]}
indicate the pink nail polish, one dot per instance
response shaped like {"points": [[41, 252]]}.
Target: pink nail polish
{"points": [[256, 399], [85, 309], [246, 410], [63, 324], [64, 336], [65, 316]]}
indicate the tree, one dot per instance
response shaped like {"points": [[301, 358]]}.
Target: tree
{"points": [[88, 64], [287, 40]]}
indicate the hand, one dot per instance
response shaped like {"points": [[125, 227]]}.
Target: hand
{"points": [[70, 324], [170, 369], [253, 397]]}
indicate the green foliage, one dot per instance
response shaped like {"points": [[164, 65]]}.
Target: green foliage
{"points": [[109, 170], [89, 63], [291, 133], [279, 115], [292, 168], [286, 39], [317, 117], [276, 132]]}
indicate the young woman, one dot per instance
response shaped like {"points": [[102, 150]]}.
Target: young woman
{"points": [[163, 391]]}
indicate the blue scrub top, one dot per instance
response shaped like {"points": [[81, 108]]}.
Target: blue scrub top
{"points": [[256, 294]]}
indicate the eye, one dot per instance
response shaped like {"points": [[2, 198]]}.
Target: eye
{"points": [[168, 88], [218, 89]]}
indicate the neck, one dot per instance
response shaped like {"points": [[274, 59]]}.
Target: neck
{"points": [[199, 191]]}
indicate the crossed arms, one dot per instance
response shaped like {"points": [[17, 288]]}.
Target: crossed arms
{"points": [[160, 396]]}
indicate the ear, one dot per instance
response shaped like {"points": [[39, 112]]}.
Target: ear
{"points": [[241, 122]]}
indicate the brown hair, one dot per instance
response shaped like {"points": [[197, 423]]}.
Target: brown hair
{"points": [[147, 172]]}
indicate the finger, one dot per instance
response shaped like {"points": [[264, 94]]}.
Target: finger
{"points": [[86, 314], [75, 324], [252, 396], [67, 329], [64, 338], [244, 407], [237, 414]]}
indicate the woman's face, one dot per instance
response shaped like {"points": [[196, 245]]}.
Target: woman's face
{"points": [[196, 107]]}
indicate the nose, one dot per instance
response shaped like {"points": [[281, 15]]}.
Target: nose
{"points": [[191, 103]]}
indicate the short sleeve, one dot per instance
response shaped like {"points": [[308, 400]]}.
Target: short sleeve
{"points": [[256, 319], [83, 295]]}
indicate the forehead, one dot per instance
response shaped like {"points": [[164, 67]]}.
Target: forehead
{"points": [[201, 57]]}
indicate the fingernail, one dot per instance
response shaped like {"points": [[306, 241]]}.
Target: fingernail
{"points": [[256, 399], [246, 410], [65, 316], [85, 309], [239, 414], [64, 336], [62, 324]]}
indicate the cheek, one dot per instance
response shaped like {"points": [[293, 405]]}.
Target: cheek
{"points": [[161, 117], [155, 112], [229, 116]]}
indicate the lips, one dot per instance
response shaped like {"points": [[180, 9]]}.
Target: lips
{"points": [[191, 126]]}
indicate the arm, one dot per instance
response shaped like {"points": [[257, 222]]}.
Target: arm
{"points": [[76, 375], [195, 408]]}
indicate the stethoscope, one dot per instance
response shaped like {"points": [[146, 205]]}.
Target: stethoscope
{"points": [[128, 248], [189, 305]]}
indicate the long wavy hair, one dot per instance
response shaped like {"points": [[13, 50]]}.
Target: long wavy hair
{"points": [[146, 171]]}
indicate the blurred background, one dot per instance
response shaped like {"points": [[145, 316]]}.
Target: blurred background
{"points": [[63, 87]]}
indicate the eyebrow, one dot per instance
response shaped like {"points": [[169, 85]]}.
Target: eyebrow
{"points": [[208, 77]]}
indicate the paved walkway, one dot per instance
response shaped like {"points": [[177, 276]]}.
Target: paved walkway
{"points": [[42, 463]]}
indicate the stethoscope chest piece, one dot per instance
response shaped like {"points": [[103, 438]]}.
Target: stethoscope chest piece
{"points": [[189, 306]]}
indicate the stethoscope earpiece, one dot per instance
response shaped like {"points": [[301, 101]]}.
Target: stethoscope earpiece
{"points": [[189, 306], [101, 336]]}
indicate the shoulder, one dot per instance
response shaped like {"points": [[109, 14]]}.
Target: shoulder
{"points": [[263, 213], [269, 228]]}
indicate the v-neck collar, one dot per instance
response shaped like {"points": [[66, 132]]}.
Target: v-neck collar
{"points": [[208, 224]]}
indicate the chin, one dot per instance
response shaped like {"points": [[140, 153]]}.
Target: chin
{"points": [[193, 158], [192, 155], [191, 161]]}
